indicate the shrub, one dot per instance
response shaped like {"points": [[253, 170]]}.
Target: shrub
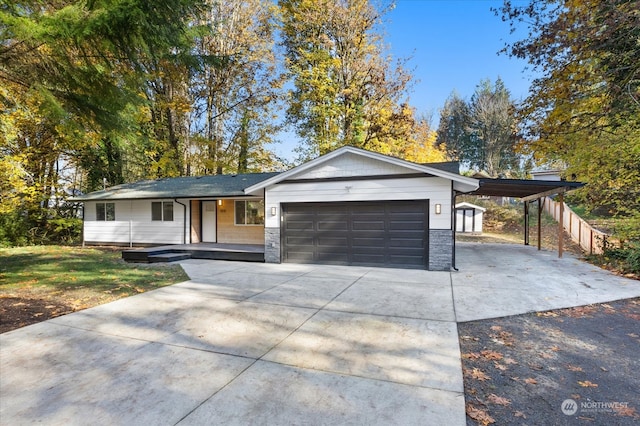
{"points": [[13, 229], [625, 259]]}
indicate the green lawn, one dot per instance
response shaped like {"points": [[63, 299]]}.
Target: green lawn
{"points": [[78, 277]]}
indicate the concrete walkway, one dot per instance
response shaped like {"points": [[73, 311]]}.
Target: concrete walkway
{"points": [[246, 343]]}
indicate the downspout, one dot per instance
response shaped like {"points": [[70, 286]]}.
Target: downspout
{"points": [[184, 221], [83, 224], [454, 225]]}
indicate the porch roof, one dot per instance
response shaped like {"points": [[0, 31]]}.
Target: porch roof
{"points": [[211, 186]]}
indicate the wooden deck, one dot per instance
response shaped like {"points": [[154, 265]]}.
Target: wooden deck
{"points": [[214, 251]]}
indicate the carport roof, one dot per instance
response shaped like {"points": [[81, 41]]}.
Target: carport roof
{"points": [[522, 188]]}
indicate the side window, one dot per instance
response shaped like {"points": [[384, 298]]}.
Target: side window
{"points": [[167, 211], [106, 211], [162, 211], [156, 210], [249, 212]]}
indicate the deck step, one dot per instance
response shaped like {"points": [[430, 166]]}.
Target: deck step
{"points": [[168, 257]]}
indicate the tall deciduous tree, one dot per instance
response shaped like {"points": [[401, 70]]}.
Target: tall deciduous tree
{"points": [[345, 91], [584, 109], [234, 100]]}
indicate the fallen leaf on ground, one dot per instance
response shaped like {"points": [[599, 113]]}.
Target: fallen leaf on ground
{"points": [[479, 415], [555, 348], [519, 414], [477, 374], [492, 355], [587, 384], [574, 368], [496, 328], [531, 381], [545, 355], [499, 366], [547, 314], [471, 355], [510, 361], [495, 399], [626, 411]]}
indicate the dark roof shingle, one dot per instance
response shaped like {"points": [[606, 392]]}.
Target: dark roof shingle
{"points": [[180, 187]]}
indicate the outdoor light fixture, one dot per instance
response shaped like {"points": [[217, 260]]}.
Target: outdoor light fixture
{"points": [[273, 211], [438, 208], [219, 202]]}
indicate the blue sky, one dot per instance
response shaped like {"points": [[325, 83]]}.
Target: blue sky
{"points": [[453, 45]]}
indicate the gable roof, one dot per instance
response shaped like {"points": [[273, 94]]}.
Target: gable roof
{"points": [[460, 183], [470, 206], [180, 187]]}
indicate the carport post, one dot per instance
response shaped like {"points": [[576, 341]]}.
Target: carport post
{"points": [[560, 224], [539, 224], [526, 223]]}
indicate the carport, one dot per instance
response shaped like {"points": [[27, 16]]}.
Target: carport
{"points": [[527, 191]]}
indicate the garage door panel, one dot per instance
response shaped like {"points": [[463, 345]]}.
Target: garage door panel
{"points": [[368, 242], [368, 259], [359, 225], [300, 225], [301, 256], [406, 226], [330, 256], [329, 226], [332, 241], [406, 243], [300, 241], [388, 233]]}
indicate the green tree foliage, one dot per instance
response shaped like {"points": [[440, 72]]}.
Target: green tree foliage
{"points": [[483, 132], [233, 101], [584, 109], [452, 129], [345, 92], [72, 76]]}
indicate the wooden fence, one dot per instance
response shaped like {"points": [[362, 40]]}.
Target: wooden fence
{"points": [[591, 240]]}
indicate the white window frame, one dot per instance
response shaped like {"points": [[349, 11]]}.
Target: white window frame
{"points": [[235, 214]]}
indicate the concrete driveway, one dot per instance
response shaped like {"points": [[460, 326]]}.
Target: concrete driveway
{"points": [[244, 343]]}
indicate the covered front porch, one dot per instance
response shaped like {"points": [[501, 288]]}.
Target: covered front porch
{"points": [[212, 251]]}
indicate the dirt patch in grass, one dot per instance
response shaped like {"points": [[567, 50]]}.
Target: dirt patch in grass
{"points": [[563, 367], [42, 282]]}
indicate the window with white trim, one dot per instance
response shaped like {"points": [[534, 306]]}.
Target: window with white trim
{"points": [[249, 212], [106, 211], [162, 211]]}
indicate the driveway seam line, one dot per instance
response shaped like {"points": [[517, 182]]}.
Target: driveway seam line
{"points": [[359, 377], [269, 350]]}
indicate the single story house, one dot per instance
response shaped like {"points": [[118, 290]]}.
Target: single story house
{"points": [[469, 218], [350, 206]]}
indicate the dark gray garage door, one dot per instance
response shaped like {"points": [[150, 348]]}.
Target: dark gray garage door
{"points": [[391, 233]]}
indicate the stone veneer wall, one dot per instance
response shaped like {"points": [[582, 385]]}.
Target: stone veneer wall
{"points": [[272, 245], [440, 249]]}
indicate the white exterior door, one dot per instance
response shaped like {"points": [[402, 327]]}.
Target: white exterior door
{"points": [[208, 221], [468, 221]]}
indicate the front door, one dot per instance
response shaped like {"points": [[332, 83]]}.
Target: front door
{"points": [[208, 221]]}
